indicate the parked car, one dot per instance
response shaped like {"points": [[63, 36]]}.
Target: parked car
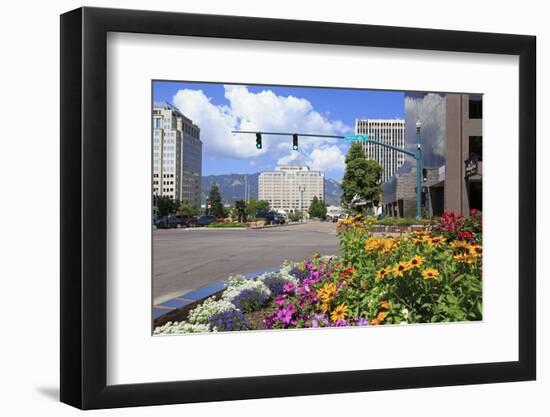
{"points": [[279, 218], [205, 220], [270, 217], [169, 222], [187, 220]]}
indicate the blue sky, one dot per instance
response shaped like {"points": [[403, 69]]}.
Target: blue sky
{"points": [[219, 108]]}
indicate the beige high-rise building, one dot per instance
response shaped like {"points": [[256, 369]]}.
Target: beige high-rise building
{"points": [[177, 155], [290, 188], [391, 132]]}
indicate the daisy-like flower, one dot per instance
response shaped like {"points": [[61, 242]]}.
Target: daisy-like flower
{"points": [[384, 304], [475, 250], [339, 313], [383, 273], [436, 241], [430, 273], [327, 292], [416, 261], [401, 268], [464, 258]]}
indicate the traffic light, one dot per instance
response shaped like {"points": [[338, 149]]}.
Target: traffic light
{"points": [[424, 175], [295, 142], [258, 140]]}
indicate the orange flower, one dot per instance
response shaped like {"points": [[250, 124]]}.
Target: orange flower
{"points": [[382, 315], [383, 273], [384, 304]]}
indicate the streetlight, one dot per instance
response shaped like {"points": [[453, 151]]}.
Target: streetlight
{"points": [[301, 189]]}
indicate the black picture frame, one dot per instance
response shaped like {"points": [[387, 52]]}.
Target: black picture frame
{"points": [[84, 207]]}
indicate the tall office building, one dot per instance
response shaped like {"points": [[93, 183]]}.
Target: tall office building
{"points": [[290, 188], [391, 132], [177, 155], [451, 135]]}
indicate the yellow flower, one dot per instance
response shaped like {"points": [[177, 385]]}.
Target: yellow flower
{"points": [[374, 322], [373, 244], [381, 274], [384, 304], [475, 250], [460, 244], [327, 292], [430, 273], [436, 241], [464, 258], [388, 245], [339, 313], [401, 268], [324, 307], [416, 261]]}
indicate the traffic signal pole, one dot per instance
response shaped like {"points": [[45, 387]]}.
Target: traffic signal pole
{"points": [[417, 155]]}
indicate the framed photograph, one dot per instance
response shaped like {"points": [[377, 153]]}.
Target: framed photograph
{"points": [[256, 208]]}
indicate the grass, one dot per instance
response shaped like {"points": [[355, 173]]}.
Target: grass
{"points": [[221, 225]]}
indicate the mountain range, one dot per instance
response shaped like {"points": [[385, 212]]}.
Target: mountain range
{"points": [[232, 187]]}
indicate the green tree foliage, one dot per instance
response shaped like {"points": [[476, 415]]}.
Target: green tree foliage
{"points": [[256, 206], [362, 178], [215, 201], [317, 208], [295, 216], [165, 205], [188, 209]]}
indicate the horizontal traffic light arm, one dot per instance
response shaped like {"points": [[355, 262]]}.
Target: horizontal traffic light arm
{"points": [[318, 135]]}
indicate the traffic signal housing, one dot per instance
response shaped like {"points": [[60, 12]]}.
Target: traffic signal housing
{"points": [[424, 175], [258, 141], [295, 142]]}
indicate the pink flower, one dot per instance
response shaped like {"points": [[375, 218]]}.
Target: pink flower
{"points": [[280, 300], [288, 287]]}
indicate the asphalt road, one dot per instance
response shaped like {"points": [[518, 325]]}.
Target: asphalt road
{"points": [[186, 259]]}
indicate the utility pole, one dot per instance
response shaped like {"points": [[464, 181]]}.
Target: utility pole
{"points": [[418, 158]]}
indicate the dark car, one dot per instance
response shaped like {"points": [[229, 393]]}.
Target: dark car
{"points": [[205, 220], [187, 220], [169, 222], [270, 217]]}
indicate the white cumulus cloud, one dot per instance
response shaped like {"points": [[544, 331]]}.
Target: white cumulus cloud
{"points": [[264, 111]]}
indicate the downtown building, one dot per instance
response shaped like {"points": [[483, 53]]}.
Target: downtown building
{"points": [[391, 132], [291, 188], [451, 136], [177, 155]]}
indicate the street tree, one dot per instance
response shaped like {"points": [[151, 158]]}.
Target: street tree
{"points": [[187, 209], [362, 179], [165, 205], [216, 208], [317, 208]]}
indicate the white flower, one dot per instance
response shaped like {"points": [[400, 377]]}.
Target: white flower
{"points": [[182, 327]]}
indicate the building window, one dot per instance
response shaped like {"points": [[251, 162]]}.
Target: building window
{"points": [[475, 147], [475, 104]]}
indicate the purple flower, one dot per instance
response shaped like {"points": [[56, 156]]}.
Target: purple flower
{"points": [[280, 300], [340, 323], [291, 308], [361, 322], [284, 316]]}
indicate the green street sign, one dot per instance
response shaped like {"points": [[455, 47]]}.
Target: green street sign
{"points": [[353, 138]]}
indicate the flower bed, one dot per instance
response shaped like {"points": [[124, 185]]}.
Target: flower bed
{"points": [[428, 276]]}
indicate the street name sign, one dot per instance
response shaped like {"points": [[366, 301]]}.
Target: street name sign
{"points": [[353, 138]]}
